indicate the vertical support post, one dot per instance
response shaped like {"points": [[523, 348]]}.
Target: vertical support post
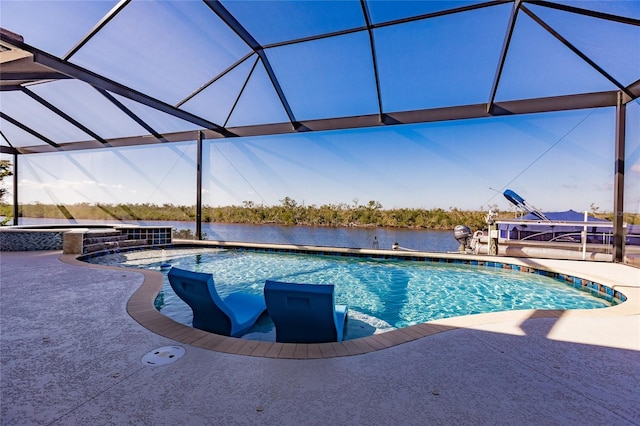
{"points": [[15, 189], [584, 236], [199, 188], [618, 182]]}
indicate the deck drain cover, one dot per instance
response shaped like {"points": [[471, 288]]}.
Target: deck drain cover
{"points": [[162, 356]]}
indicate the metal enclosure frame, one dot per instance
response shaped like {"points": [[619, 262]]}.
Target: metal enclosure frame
{"points": [[37, 66]]}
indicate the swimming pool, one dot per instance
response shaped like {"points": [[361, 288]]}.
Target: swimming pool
{"points": [[382, 294]]}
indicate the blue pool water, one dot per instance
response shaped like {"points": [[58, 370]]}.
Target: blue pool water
{"points": [[381, 294]]}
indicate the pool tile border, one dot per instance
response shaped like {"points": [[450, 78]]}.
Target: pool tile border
{"points": [[140, 305]]}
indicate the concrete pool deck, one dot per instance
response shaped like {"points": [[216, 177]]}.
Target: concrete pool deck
{"points": [[71, 354]]}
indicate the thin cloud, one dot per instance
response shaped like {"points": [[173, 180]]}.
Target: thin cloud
{"points": [[69, 184]]}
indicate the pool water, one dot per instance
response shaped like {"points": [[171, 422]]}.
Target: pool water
{"points": [[381, 294]]}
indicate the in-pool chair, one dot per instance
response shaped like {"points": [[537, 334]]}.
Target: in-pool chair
{"points": [[232, 316], [304, 313]]}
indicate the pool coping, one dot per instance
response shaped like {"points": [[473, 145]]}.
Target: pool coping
{"points": [[140, 305]]}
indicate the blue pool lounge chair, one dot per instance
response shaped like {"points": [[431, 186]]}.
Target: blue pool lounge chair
{"points": [[231, 317], [304, 313]]}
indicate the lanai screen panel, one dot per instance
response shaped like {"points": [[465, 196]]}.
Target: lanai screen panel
{"points": [[139, 72], [89, 107], [276, 22], [326, 78], [540, 65], [442, 61], [167, 49]]}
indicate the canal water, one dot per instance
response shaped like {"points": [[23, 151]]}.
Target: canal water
{"points": [[352, 237]]}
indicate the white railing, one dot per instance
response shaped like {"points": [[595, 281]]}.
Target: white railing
{"points": [[556, 228]]}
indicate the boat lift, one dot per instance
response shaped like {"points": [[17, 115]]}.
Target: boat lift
{"points": [[519, 202], [493, 230]]}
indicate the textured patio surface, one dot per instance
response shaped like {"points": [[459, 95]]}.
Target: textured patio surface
{"points": [[71, 354]]}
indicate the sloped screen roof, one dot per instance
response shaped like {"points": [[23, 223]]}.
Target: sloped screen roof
{"points": [[139, 72]]}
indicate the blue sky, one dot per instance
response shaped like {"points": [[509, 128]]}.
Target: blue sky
{"points": [[556, 161]]}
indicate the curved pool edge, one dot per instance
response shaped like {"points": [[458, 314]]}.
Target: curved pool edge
{"points": [[140, 307]]}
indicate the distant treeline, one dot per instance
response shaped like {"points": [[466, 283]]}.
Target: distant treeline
{"points": [[289, 212]]}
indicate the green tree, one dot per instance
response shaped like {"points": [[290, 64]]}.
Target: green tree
{"points": [[5, 171]]}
